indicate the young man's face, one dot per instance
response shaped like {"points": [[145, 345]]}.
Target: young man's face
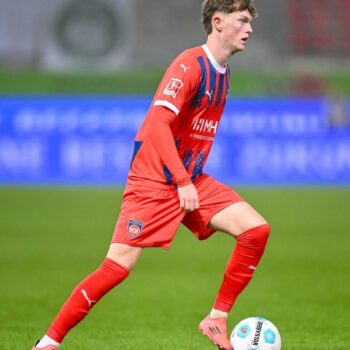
{"points": [[236, 28]]}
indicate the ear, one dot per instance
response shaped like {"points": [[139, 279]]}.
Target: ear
{"points": [[217, 22]]}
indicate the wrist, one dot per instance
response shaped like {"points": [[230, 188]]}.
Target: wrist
{"points": [[183, 181]]}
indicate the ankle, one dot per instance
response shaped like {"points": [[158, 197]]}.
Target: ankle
{"points": [[217, 313], [45, 341]]}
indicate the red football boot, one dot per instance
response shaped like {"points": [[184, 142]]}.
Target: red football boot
{"points": [[215, 329]]}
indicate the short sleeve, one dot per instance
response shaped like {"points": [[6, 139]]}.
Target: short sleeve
{"points": [[178, 84]]}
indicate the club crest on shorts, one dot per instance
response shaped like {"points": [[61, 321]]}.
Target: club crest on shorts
{"points": [[134, 228]]}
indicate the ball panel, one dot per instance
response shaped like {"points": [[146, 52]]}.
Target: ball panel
{"points": [[269, 336], [243, 331]]}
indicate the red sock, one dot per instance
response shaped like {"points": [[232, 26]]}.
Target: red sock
{"points": [[249, 249], [86, 294]]}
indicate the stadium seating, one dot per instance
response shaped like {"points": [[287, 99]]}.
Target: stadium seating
{"points": [[319, 27]]}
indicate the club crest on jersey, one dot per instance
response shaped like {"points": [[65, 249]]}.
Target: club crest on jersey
{"points": [[134, 228], [173, 87]]}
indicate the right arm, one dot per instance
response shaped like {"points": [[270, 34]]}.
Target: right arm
{"points": [[163, 141], [178, 85]]}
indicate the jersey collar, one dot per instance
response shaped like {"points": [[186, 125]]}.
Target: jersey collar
{"points": [[213, 61]]}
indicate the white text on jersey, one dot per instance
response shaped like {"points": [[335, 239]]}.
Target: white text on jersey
{"points": [[205, 125]]}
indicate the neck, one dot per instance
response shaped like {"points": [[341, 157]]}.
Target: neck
{"points": [[220, 53]]}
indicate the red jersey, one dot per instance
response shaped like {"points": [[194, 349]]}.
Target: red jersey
{"points": [[194, 88]]}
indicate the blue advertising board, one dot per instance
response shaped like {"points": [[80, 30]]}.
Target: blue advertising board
{"points": [[89, 140]]}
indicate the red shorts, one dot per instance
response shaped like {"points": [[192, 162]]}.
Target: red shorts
{"points": [[149, 217]]}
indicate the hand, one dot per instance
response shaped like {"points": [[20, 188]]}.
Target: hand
{"points": [[188, 198]]}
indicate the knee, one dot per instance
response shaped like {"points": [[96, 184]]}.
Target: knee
{"points": [[263, 232], [255, 238], [124, 255]]}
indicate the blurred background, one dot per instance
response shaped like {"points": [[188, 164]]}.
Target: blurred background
{"points": [[76, 80], [77, 77]]}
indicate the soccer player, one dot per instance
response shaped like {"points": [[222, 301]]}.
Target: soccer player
{"points": [[166, 185]]}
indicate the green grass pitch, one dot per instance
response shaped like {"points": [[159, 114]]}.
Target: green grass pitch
{"points": [[51, 238]]}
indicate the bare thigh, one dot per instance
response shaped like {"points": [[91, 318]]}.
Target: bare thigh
{"points": [[236, 219], [124, 254]]}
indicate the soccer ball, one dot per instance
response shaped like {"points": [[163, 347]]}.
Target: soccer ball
{"points": [[255, 333]]}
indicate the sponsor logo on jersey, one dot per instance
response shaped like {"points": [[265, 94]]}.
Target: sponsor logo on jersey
{"points": [[205, 125], [173, 87], [134, 228]]}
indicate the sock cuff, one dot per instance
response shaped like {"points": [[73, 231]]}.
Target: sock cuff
{"points": [[112, 266], [223, 305], [261, 229]]}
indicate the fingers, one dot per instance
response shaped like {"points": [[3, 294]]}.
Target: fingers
{"points": [[188, 198], [182, 203], [189, 204], [196, 203], [185, 204]]}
